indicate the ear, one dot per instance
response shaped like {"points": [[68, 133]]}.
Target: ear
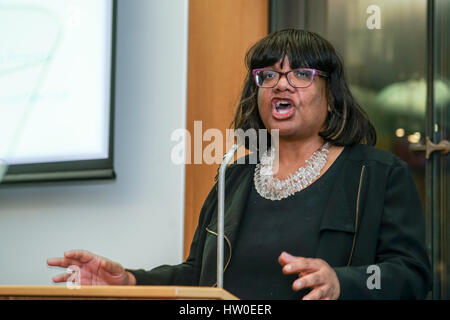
{"points": [[329, 108]]}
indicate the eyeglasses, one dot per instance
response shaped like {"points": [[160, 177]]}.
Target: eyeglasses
{"points": [[298, 78]]}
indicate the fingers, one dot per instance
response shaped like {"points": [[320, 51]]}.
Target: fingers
{"points": [[285, 258], [323, 282], [317, 294], [54, 262], [61, 277], [313, 273], [76, 257], [301, 266], [62, 262], [82, 256], [320, 289], [308, 281]]}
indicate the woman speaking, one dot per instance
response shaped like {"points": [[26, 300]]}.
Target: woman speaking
{"points": [[334, 211]]}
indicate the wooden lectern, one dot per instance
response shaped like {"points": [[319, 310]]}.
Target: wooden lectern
{"points": [[114, 292]]}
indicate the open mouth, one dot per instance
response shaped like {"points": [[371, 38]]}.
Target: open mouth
{"points": [[282, 109]]}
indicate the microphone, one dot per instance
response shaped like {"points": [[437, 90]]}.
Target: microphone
{"points": [[220, 213]]}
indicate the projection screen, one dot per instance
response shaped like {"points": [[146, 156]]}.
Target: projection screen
{"points": [[56, 89]]}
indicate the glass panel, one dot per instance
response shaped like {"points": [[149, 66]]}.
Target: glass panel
{"points": [[383, 45], [441, 132]]}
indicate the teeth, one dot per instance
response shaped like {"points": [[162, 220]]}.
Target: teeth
{"points": [[282, 102]]}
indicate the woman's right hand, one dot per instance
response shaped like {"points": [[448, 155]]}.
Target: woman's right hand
{"points": [[95, 270]]}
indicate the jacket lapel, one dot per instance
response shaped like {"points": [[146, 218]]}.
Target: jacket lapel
{"points": [[338, 227], [237, 188]]}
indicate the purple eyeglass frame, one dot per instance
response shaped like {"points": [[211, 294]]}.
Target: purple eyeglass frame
{"points": [[314, 72]]}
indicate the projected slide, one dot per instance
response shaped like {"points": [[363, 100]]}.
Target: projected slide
{"points": [[55, 80]]}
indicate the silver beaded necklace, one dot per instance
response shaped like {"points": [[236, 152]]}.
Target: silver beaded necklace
{"points": [[272, 188]]}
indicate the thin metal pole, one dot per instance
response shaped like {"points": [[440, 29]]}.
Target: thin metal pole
{"points": [[221, 213]]}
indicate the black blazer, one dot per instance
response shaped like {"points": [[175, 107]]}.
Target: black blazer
{"points": [[373, 217]]}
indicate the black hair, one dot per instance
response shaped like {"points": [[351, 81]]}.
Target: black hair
{"points": [[346, 123]]}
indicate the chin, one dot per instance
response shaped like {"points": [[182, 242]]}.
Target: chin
{"points": [[287, 133], [284, 127]]}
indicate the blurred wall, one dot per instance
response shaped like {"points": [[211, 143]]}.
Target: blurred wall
{"points": [[136, 219], [220, 33]]}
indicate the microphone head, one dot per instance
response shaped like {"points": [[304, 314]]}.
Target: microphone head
{"points": [[229, 155]]}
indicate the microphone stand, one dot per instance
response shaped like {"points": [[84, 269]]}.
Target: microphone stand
{"points": [[220, 213]]}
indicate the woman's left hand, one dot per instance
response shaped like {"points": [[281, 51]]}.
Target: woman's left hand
{"points": [[313, 273]]}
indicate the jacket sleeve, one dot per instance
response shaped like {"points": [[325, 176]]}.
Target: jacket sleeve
{"points": [[401, 257], [186, 273]]}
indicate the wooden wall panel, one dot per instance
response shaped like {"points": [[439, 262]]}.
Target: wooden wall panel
{"points": [[220, 33]]}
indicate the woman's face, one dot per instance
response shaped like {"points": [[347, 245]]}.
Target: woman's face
{"points": [[305, 117]]}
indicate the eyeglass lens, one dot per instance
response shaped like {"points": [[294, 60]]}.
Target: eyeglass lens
{"points": [[297, 78]]}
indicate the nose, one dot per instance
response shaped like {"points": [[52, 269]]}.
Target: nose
{"points": [[283, 84]]}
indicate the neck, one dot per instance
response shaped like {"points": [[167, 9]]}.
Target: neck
{"points": [[295, 152]]}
